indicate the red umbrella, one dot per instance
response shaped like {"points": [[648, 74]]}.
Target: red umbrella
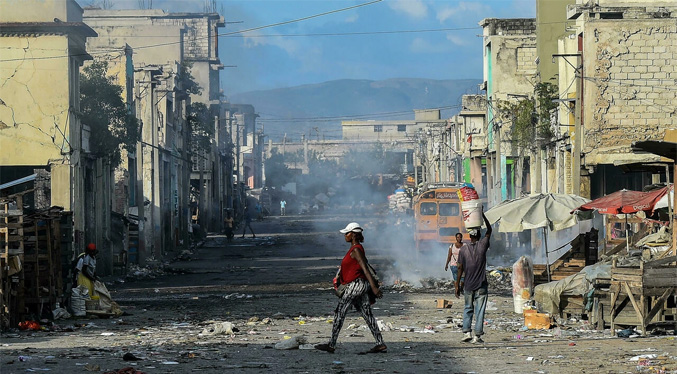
{"points": [[625, 202]]}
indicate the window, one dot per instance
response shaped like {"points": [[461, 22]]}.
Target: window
{"points": [[449, 231], [428, 209], [449, 210], [378, 128], [402, 128]]}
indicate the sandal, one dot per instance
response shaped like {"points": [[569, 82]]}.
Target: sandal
{"points": [[325, 347], [378, 349]]}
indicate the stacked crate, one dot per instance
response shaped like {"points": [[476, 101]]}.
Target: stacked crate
{"points": [[30, 261], [42, 261], [11, 260]]}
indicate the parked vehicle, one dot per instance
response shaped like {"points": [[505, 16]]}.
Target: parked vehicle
{"points": [[437, 213]]}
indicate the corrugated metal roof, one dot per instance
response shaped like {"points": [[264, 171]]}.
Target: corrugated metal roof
{"points": [[19, 181]]}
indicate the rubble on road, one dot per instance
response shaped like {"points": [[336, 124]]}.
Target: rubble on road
{"points": [[146, 272]]}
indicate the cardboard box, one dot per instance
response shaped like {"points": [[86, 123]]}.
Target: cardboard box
{"points": [[534, 320], [442, 303]]}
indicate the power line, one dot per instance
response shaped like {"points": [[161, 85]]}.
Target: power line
{"points": [[207, 37], [354, 33], [348, 117], [238, 33]]}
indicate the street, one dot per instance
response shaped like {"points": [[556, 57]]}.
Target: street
{"points": [[278, 285]]}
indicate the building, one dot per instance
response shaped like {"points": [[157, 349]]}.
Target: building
{"points": [[175, 55], [621, 64], [43, 50], [509, 47], [420, 144], [248, 145], [551, 25], [473, 145]]}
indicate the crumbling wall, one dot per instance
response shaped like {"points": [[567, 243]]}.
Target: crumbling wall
{"points": [[43, 191], [121, 190], [197, 38], [629, 77]]}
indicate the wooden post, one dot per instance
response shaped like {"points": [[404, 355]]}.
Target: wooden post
{"points": [[672, 217]]}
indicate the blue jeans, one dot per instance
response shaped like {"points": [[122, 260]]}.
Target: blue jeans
{"points": [[475, 303]]}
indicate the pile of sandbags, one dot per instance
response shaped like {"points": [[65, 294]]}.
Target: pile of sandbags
{"points": [[399, 201]]}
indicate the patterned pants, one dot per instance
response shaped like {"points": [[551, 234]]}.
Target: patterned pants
{"points": [[356, 294]]}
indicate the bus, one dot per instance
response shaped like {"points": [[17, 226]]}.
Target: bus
{"points": [[437, 214]]}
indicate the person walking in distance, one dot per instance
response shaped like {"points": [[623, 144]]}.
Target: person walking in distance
{"points": [[247, 222], [355, 274], [228, 223], [452, 256], [472, 263], [283, 207]]}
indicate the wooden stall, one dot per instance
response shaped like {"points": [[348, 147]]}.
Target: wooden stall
{"points": [[648, 289]]}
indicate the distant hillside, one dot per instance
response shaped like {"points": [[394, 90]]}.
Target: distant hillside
{"points": [[315, 109]]}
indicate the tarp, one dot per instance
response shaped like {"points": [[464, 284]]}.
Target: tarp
{"points": [[663, 202], [548, 295], [625, 201]]}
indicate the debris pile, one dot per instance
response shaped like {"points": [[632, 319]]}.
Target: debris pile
{"points": [[399, 201], [147, 272]]}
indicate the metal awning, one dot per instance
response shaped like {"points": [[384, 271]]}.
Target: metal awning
{"points": [[657, 147], [19, 181]]}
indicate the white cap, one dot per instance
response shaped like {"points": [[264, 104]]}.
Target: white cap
{"points": [[473, 232], [352, 227]]}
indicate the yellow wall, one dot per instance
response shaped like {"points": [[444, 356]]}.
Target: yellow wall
{"points": [[35, 95], [40, 10]]}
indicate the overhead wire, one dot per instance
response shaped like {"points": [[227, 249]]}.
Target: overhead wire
{"points": [[356, 116], [239, 33], [301, 19]]}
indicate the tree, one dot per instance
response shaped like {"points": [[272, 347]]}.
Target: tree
{"points": [[200, 124], [369, 162], [187, 81], [545, 94], [530, 118], [277, 173], [108, 116]]}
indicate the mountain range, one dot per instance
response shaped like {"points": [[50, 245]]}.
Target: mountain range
{"points": [[317, 110]]}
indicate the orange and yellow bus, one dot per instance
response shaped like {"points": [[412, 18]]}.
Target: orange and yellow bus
{"points": [[437, 212]]}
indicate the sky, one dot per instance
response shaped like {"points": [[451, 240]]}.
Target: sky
{"points": [[387, 39]]}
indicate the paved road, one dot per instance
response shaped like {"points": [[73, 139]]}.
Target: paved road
{"points": [[277, 286]]}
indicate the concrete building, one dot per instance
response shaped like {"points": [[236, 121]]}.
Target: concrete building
{"points": [[551, 25], [624, 91], [421, 144], [509, 47], [473, 143], [168, 46], [248, 147], [109, 189], [43, 50], [386, 131]]}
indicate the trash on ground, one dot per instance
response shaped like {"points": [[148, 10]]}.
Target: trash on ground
{"points": [[291, 343]]}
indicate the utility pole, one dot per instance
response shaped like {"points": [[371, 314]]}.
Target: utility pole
{"points": [[237, 151]]}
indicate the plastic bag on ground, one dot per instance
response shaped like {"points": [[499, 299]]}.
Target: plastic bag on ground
{"points": [[60, 313], [218, 329], [291, 343]]}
